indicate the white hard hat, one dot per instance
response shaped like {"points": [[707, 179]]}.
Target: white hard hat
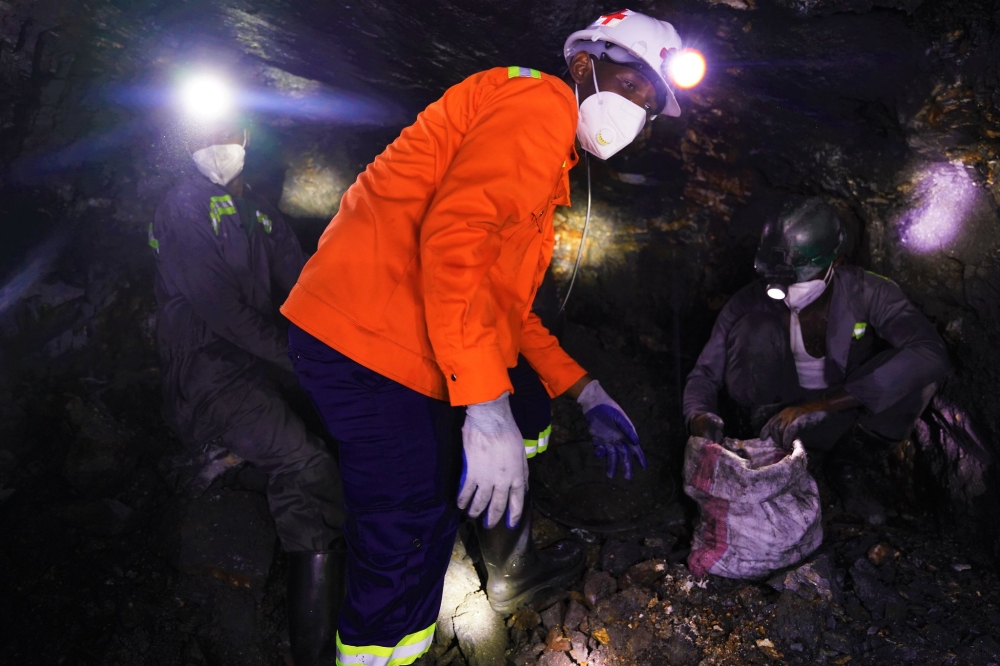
{"points": [[636, 40]]}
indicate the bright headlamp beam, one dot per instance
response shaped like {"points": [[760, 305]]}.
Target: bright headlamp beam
{"points": [[776, 292], [206, 98], [687, 68]]}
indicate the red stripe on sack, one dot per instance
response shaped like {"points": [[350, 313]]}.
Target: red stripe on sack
{"points": [[713, 529]]}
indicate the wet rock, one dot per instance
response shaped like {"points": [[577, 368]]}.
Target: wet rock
{"points": [[228, 534], [102, 454], [882, 552], [557, 640], [880, 600], [622, 605], [644, 574], [578, 651], [555, 659], [528, 656], [598, 585], [574, 615], [480, 631], [681, 651], [814, 580], [552, 617], [617, 556]]}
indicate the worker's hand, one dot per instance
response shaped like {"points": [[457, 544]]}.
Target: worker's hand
{"points": [[613, 432], [707, 425], [495, 467], [783, 428]]}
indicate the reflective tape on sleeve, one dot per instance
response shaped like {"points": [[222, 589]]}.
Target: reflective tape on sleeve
{"points": [[405, 652], [523, 72]]}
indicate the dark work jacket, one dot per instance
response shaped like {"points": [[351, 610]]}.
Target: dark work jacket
{"points": [[217, 324], [863, 307]]}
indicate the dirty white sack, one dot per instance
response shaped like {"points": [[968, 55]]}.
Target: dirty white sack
{"points": [[759, 507]]}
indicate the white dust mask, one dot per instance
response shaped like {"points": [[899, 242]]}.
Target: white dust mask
{"points": [[802, 294], [221, 163], [608, 122]]}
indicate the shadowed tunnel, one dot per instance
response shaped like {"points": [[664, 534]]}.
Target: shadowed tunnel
{"points": [[889, 110]]}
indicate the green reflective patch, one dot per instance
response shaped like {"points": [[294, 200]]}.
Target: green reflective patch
{"points": [[523, 72], [219, 206], [153, 243], [265, 221], [859, 330]]}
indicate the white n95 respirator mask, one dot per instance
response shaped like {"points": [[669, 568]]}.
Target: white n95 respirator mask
{"points": [[221, 163], [608, 122]]}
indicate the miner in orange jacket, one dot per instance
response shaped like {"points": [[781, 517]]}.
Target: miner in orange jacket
{"points": [[417, 303]]}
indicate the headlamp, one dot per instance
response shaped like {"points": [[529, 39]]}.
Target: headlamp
{"points": [[206, 98], [686, 68], [778, 273]]}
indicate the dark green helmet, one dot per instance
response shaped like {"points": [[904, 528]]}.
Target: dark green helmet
{"points": [[804, 239]]}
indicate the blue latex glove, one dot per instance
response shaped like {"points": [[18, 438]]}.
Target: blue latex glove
{"points": [[613, 432]]}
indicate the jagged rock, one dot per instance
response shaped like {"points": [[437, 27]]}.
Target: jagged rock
{"points": [[555, 659], [480, 631], [579, 651], [460, 582], [681, 651], [597, 585], [880, 600], [814, 580], [798, 620], [553, 616], [228, 534], [618, 556], [644, 574], [574, 615], [528, 656]]}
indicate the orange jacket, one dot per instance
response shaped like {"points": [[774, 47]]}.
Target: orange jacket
{"points": [[427, 273]]}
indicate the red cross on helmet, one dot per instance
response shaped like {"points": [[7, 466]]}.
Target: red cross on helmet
{"points": [[636, 40]]}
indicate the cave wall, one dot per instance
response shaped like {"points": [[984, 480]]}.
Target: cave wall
{"points": [[890, 109]]}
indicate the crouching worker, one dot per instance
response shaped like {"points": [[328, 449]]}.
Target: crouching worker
{"points": [[218, 251], [418, 302], [827, 353]]}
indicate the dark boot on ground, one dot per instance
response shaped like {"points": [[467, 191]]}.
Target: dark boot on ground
{"points": [[518, 574], [316, 587], [852, 470]]}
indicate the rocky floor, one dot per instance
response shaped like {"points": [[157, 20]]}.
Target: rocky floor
{"points": [[906, 592], [102, 561]]}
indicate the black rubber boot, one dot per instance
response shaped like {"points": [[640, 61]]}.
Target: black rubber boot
{"points": [[850, 473], [518, 574], [316, 588]]}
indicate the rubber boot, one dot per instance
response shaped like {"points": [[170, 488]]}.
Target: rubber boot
{"points": [[518, 574], [850, 475], [316, 587]]}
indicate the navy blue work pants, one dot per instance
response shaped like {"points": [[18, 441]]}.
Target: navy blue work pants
{"points": [[400, 461]]}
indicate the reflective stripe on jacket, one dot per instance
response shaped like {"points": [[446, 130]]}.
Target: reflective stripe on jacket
{"points": [[428, 271]]}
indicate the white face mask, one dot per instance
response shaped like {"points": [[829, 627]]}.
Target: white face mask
{"points": [[608, 122], [802, 294], [221, 163]]}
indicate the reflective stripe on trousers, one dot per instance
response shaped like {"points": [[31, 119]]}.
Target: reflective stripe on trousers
{"points": [[405, 652], [533, 447]]}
